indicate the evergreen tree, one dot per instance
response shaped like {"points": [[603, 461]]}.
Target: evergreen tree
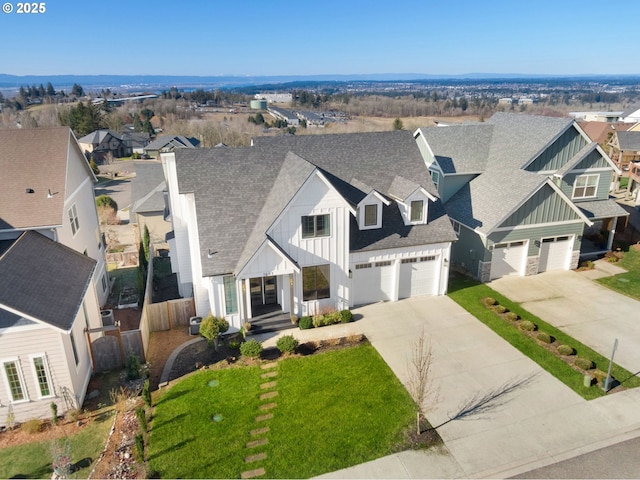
{"points": [[50, 90], [397, 124]]}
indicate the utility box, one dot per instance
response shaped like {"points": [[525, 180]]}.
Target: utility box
{"points": [[194, 325]]}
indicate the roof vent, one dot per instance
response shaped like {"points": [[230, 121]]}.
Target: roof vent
{"points": [[30, 190]]}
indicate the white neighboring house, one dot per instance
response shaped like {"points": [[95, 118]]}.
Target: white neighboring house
{"points": [[305, 223], [54, 288]]}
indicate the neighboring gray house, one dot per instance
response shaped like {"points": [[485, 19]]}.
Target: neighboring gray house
{"points": [[101, 142], [148, 203], [301, 224], [520, 190], [168, 143]]}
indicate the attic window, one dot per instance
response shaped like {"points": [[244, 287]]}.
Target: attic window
{"points": [[417, 210], [370, 215]]}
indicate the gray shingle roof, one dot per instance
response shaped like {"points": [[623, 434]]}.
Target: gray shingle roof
{"points": [[147, 187], [240, 191], [177, 141], [33, 159], [44, 280], [96, 137], [629, 140], [599, 209]]}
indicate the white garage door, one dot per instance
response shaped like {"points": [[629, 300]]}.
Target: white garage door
{"points": [[508, 259], [555, 253], [418, 276], [372, 282]]}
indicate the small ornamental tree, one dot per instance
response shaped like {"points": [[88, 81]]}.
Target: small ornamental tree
{"points": [[210, 329]]}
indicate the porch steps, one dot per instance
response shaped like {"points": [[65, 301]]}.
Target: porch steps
{"points": [[270, 323]]}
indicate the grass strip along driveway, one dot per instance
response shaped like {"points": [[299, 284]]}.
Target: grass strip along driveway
{"points": [[469, 294], [626, 283], [334, 410]]}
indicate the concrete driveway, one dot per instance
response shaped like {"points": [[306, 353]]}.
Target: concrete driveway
{"points": [[582, 308], [498, 412]]}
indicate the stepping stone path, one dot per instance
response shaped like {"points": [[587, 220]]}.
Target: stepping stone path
{"points": [[259, 435]]}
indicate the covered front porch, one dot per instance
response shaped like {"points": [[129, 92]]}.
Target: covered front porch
{"points": [[606, 216]]}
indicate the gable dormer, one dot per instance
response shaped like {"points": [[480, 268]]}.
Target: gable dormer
{"points": [[369, 211], [415, 207]]}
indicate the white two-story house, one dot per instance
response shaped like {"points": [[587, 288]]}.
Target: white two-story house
{"points": [[305, 224], [53, 276]]}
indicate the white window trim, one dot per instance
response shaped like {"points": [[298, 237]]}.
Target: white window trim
{"points": [[435, 178], [456, 226], [23, 385], [364, 214], [421, 219], [47, 372], [575, 185]]}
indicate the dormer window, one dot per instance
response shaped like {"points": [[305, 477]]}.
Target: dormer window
{"points": [[370, 215], [417, 211]]}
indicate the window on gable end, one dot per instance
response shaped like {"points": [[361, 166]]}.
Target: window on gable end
{"points": [[370, 215], [585, 186], [435, 178], [315, 226], [417, 210], [73, 219]]}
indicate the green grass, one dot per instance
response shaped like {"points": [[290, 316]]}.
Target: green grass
{"points": [[469, 294], [334, 410], [624, 181], [626, 283], [33, 460]]}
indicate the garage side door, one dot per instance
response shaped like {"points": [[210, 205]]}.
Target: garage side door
{"points": [[372, 282], [418, 276], [508, 259], [555, 253]]}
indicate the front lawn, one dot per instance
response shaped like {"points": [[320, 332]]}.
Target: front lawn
{"points": [[469, 294], [334, 410], [33, 460], [626, 283]]}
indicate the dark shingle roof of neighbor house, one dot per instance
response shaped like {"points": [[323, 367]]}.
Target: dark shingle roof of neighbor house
{"points": [[43, 280], [98, 136], [33, 160], [147, 188], [240, 191], [177, 141], [629, 140]]}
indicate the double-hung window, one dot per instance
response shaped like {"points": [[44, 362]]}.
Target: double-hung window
{"points": [[417, 210], [315, 282], [73, 219], [315, 226], [585, 186]]}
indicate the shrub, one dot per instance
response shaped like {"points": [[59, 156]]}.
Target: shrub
{"points": [[500, 309], [318, 321], [305, 323], [599, 375], [146, 393], [346, 316], [251, 348], [545, 337], [223, 325], [489, 301], [106, 201], [209, 328], [512, 316], [133, 366], [333, 318], [583, 363], [287, 344], [31, 426], [234, 344], [247, 326], [73, 414], [135, 156], [527, 326], [142, 418], [566, 350], [139, 441], [54, 413]]}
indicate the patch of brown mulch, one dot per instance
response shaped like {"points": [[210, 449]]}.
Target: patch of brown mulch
{"points": [[18, 436]]}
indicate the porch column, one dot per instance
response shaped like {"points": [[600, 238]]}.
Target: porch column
{"points": [[612, 233], [291, 300], [243, 296]]}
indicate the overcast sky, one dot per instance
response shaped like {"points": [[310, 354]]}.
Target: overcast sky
{"points": [[276, 37]]}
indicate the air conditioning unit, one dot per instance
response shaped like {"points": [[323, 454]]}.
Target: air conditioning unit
{"points": [[194, 325], [107, 317]]}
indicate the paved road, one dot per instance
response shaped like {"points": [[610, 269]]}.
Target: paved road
{"points": [[119, 188], [618, 461]]}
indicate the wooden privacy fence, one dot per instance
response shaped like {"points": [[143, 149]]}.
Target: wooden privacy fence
{"points": [[169, 314]]}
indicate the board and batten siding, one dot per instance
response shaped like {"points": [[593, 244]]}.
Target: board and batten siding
{"points": [[316, 197], [20, 343], [424, 149], [468, 249], [559, 152], [545, 206], [602, 190]]}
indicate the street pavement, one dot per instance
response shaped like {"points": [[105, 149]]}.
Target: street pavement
{"points": [[498, 413]]}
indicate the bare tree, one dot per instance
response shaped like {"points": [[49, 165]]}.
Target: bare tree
{"points": [[420, 383], [109, 163]]}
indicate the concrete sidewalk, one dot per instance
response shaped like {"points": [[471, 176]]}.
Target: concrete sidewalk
{"points": [[498, 412]]}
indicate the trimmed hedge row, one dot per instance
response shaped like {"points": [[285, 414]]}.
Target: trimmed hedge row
{"points": [[322, 320]]}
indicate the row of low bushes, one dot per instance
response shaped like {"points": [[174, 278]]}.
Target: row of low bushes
{"points": [[567, 352], [326, 318]]}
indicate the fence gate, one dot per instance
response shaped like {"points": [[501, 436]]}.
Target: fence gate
{"points": [[110, 351]]}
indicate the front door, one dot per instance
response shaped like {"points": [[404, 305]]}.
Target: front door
{"points": [[263, 291]]}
